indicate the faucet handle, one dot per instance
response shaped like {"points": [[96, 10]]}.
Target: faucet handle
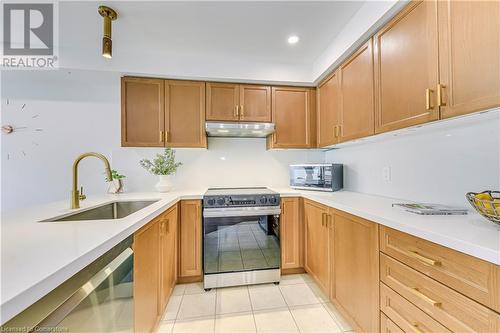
{"points": [[82, 196]]}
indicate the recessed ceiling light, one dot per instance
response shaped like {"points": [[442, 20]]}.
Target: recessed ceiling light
{"points": [[293, 39]]}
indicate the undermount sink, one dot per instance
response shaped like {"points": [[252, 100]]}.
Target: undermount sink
{"points": [[109, 211]]}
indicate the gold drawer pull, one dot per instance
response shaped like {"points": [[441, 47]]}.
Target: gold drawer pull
{"points": [[429, 300], [416, 329], [428, 261]]}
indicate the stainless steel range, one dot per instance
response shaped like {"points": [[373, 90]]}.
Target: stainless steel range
{"points": [[241, 243]]}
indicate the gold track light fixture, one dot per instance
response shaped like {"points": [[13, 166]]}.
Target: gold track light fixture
{"points": [[108, 15]]}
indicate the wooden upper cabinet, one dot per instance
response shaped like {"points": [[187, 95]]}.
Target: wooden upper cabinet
{"points": [[317, 243], [291, 113], [142, 112], [406, 68], [469, 56], [356, 275], [185, 114], [291, 232], [222, 101], [255, 103], [146, 277], [328, 102], [190, 239], [356, 86]]}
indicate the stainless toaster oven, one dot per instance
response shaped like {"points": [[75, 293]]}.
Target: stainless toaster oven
{"points": [[318, 177]]}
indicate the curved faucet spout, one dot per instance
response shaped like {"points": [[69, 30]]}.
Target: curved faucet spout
{"points": [[76, 196]]}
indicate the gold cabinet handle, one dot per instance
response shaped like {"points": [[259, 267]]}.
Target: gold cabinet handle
{"points": [[323, 218], [428, 103], [439, 94], [167, 136], [330, 221], [162, 136], [415, 328], [337, 131], [242, 113], [423, 297], [236, 111], [425, 260], [167, 226]]}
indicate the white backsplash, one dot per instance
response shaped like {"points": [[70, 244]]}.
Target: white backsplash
{"points": [[227, 162], [437, 166]]}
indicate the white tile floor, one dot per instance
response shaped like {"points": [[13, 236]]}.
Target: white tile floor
{"points": [[296, 305]]}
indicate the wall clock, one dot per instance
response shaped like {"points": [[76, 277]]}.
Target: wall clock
{"points": [[20, 130]]}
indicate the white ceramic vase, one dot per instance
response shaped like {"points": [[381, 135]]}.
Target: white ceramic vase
{"points": [[165, 183]]}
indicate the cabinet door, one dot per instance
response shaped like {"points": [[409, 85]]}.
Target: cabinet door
{"points": [[146, 277], [185, 114], [406, 68], [290, 233], [255, 103], [356, 273], [469, 56], [356, 91], [317, 244], [328, 100], [142, 112], [222, 101], [190, 238], [291, 109], [168, 255]]}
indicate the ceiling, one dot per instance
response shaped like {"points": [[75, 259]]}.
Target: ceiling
{"points": [[208, 40]]}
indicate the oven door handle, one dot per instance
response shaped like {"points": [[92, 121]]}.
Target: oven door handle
{"points": [[241, 211]]}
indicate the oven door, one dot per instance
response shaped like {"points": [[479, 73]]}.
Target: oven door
{"points": [[240, 239]]}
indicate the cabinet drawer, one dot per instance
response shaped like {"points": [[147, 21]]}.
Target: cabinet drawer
{"points": [[453, 310], [404, 315], [475, 278], [388, 326]]}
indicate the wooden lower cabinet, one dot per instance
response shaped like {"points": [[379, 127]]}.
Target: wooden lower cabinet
{"points": [[356, 270], [318, 230], [190, 263], [475, 278], [406, 315], [168, 255], [291, 232], [452, 309], [146, 277], [388, 326]]}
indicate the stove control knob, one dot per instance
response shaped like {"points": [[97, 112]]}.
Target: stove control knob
{"points": [[263, 200], [211, 202], [220, 201], [273, 200]]}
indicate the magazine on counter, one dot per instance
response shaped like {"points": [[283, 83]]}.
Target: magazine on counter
{"points": [[430, 209]]}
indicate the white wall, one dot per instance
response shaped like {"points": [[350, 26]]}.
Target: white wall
{"points": [[80, 112], [438, 164]]}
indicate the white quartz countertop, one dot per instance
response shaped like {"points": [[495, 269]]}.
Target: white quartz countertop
{"points": [[37, 257]]}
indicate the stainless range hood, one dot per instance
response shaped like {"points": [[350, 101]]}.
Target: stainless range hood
{"points": [[240, 130]]}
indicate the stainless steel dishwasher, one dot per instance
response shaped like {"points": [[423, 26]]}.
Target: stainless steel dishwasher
{"points": [[99, 298]]}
